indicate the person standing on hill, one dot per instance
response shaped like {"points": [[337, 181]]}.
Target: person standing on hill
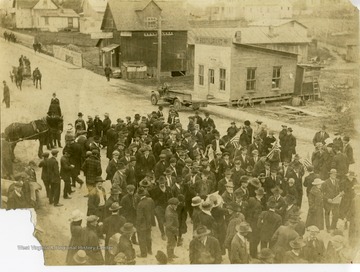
{"points": [[108, 72], [6, 96]]}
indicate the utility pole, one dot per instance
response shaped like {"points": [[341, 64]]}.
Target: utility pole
{"points": [[159, 42]]}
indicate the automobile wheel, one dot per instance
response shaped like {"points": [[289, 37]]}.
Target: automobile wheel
{"points": [[154, 99], [177, 104], [241, 103], [251, 103]]}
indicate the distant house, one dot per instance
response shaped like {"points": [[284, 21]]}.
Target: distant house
{"points": [[134, 25], [92, 15], [228, 70], [44, 15], [249, 10]]}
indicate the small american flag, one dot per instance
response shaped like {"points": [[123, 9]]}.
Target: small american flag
{"points": [[275, 147], [305, 162], [235, 140]]}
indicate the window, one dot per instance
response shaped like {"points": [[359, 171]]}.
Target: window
{"points": [[222, 79], [276, 78], [46, 20], [201, 74], [211, 76], [151, 22], [251, 79], [70, 22]]}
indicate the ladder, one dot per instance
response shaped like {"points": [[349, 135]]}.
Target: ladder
{"points": [[316, 87]]}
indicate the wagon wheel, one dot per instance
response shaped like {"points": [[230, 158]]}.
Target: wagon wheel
{"points": [[154, 99], [177, 104], [251, 102], [241, 103]]}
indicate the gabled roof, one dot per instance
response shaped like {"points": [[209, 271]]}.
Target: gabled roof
{"points": [[127, 14], [58, 13], [25, 4], [267, 50], [250, 35], [275, 22]]}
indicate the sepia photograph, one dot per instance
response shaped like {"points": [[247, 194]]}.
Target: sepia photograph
{"points": [[182, 132]]}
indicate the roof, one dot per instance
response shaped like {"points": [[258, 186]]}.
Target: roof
{"points": [[98, 5], [274, 22], [75, 5], [267, 50], [126, 14], [25, 4], [58, 13], [250, 35], [109, 47]]}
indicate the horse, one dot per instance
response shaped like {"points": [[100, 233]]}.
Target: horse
{"points": [[35, 130], [37, 78], [18, 76]]}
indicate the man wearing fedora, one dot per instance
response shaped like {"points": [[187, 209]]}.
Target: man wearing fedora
{"points": [[119, 178], [205, 218], [115, 196], [171, 227], [239, 253], [265, 256], [55, 179], [347, 185], [112, 225], [257, 204], [195, 204], [96, 200], [321, 136], [144, 221], [128, 204], [314, 248], [331, 190], [112, 165], [236, 217], [204, 248], [144, 163], [268, 222], [125, 245], [280, 204], [315, 215], [295, 255], [219, 214], [90, 241], [288, 145]]}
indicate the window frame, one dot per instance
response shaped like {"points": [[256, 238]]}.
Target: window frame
{"points": [[151, 22], [201, 74], [46, 20], [222, 79], [211, 76], [276, 78], [250, 81]]}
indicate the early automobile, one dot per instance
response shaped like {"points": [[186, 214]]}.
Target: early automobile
{"points": [[178, 98]]}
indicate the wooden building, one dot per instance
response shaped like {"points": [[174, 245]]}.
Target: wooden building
{"points": [[307, 81], [92, 16], [228, 70], [134, 25]]}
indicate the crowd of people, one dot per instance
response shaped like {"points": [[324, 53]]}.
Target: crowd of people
{"points": [[240, 194], [10, 37]]}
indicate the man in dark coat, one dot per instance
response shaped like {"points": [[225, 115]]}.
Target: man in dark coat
{"points": [[125, 246], [144, 221], [6, 96], [144, 163], [161, 195], [54, 171], [115, 196], [171, 226], [128, 204], [98, 125], [96, 201], [294, 255], [268, 223], [90, 241], [106, 124], [79, 123], [309, 179], [108, 72], [208, 122], [113, 165], [340, 163], [203, 248], [76, 232], [314, 248], [239, 252], [65, 173], [75, 149], [112, 225], [205, 218], [320, 136], [54, 108], [288, 147], [112, 138], [16, 198]]}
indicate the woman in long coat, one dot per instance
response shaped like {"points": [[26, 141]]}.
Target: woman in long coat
{"points": [[316, 205]]}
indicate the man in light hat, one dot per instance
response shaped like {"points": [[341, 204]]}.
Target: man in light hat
{"points": [[321, 136], [205, 218], [295, 255], [239, 252], [314, 249], [113, 165], [76, 232], [90, 241], [204, 248], [268, 222], [111, 225], [80, 258], [195, 204], [119, 178], [54, 179], [331, 191], [144, 221], [228, 196], [97, 200], [115, 196], [315, 215], [171, 226]]}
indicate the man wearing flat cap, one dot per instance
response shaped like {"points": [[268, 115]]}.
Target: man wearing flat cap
{"points": [[53, 167], [112, 225], [97, 200], [288, 146], [171, 226], [16, 198], [92, 169], [90, 241]]}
